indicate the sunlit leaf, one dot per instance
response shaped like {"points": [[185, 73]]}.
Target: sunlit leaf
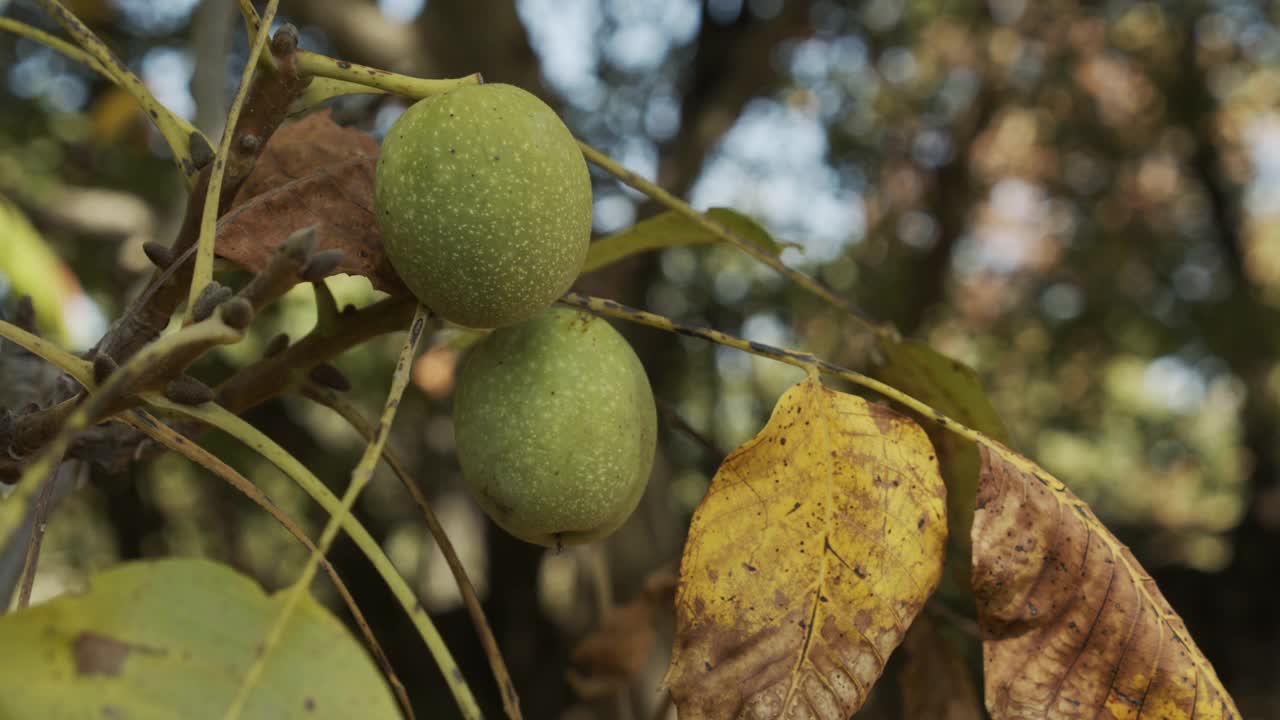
{"points": [[1072, 625], [671, 229], [172, 639], [312, 173], [952, 388], [815, 547]]}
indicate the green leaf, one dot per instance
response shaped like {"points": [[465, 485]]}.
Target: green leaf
{"points": [[172, 639], [954, 389], [671, 229]]}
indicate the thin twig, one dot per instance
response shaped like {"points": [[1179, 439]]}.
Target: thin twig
{"points": [[79, 369], [348, 411], [250, 386], [175, 441], [222, 419], [57, 44], [360, 478], [674, 203], [202, 273], [111, 396], [815, 366], [274, 375], [266, 107], [39, 523], [318, 65], [251, 24], [185, 141], [680, 424], [664, 706], [796, 358]]}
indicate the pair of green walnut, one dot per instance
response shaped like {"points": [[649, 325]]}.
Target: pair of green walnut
{"points": [[484, 205]]}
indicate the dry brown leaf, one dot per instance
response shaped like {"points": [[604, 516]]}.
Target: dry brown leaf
{"points": [[313, 172], [813, 551], [935, 682], [1072, 625], [298, 149], [613, 656]]}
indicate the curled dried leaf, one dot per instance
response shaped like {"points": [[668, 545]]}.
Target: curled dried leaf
{"points": [[1072, 625], [313, 173]]}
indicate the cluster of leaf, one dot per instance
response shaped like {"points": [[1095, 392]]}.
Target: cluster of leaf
{"points": [[812, 556]]}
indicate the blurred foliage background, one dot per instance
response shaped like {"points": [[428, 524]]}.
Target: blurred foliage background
{"points": [[1080, 199]]}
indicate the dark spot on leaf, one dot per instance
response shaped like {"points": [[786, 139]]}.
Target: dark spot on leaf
{"points": [[883, 417], [97, 654]]}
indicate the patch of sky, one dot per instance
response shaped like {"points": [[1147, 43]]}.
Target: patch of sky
{"points": [[167, 74], [402, 11], [147, 17], [772, 165], [42, 73], [1174, 383]]}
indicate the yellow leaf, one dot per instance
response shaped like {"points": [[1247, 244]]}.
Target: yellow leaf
{"points": [[814, 549], [955, 390], [1072, 625]]}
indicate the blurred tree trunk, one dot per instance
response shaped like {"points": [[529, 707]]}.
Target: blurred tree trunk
{"points": [[732, 64], [1236, 623]]}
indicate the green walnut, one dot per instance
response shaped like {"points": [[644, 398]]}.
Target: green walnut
{"points": [[484, 204], [555, 428]]}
